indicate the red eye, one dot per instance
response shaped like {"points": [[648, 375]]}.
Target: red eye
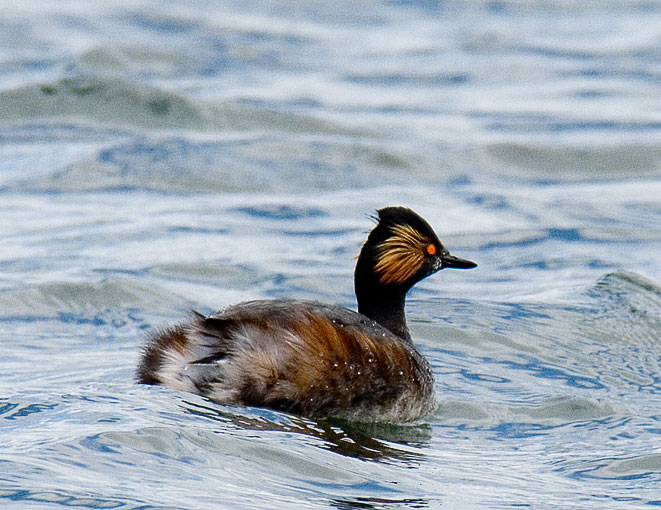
{"points": [[431, 249]]}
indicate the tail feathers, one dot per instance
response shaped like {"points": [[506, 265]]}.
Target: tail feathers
{"points": [[185, 357]]}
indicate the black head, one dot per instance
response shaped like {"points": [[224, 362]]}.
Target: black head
{"points": [[401, 250]]}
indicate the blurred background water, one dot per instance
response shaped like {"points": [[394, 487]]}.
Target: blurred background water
{"points": [[157, 157]]}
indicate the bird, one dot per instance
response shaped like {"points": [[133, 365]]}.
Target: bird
{"points": [[313, 359]]}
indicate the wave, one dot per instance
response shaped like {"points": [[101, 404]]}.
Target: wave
{"points": [[110, 100], [233, 163], [102, 100], [566, 163], [87, 301]]}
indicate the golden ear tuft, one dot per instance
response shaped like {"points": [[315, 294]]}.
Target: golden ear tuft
{"points": [[401, 256]]}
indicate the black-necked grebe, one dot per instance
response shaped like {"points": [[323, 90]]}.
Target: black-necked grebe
{"points": [[315, 359]]}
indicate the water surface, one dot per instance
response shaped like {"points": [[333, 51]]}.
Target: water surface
{"points": [[158, 157]]}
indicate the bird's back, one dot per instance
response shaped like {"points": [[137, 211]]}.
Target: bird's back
{"points": [[302, 357]]}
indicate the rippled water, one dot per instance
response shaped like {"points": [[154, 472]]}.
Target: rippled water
{"points": [[157, 157]]}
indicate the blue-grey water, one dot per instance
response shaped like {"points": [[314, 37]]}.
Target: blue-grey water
{"points": [[158, 157]]}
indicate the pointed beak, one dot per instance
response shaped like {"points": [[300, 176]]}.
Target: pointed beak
{"points": [[447, 260]]}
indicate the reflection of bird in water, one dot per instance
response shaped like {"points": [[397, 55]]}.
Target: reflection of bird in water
{"points": [[366, 441]]}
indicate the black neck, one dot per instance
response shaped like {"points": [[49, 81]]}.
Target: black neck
{"points": [[378, 301], [387, 309]]}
